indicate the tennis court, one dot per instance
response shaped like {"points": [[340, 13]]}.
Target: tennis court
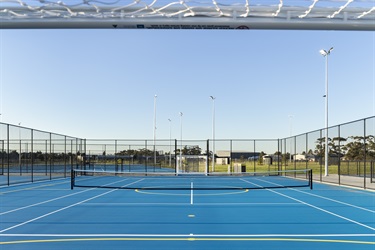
{"points": [[116, 211]]}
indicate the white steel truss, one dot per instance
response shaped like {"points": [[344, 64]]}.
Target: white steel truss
{"points": [[189, 14]]}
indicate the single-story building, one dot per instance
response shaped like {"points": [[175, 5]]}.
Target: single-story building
{"points": [[225, 156]]}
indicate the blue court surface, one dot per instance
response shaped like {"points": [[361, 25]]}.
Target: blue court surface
{"points": [[49, 215]]}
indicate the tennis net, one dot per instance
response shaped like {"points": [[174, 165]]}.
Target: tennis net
{"points": [[175, 181]]}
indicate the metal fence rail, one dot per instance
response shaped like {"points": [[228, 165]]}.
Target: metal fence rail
{"points": [[28, 155]]}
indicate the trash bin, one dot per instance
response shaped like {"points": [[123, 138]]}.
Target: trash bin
{"points": [[243, 167], [239, 167]]}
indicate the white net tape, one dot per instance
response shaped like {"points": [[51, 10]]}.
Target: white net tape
{"points": [[358, 12]]}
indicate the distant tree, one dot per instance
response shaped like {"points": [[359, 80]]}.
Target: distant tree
{"points": [[321, 146], [371, 147], [337, 145], [145, 152], [192, 150], [355, 149], [260, 160]]}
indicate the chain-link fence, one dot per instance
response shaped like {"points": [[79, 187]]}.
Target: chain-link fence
{"points": [[351, 153], [28, 155]]}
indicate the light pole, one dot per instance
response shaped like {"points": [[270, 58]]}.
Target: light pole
{"points": [[155, 129], [19, 136], [291, 132], [170, 142], [326, 54], [181, 114], [213, 132]]}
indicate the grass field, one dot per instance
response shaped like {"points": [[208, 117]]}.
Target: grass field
{"points": [[345, 167]]}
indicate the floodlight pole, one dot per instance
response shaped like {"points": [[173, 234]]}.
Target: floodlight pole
{"points": [[213, 133], [326, 54], [291, 132], [155, 129], [181, 114], [170, 142], [19, 136]]}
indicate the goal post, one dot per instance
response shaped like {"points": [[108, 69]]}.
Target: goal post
{"points": [[191, 164], [188, 14]]}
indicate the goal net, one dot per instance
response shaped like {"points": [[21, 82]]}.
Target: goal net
{"points": [[191, 164], [189, 14]]}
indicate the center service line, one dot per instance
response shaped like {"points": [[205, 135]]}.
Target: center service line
{"points": [[191, 193]]}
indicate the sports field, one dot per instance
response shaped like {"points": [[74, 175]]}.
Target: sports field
{"points": [[49, 215]]}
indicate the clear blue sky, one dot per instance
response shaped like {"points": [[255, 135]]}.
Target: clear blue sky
{"points": [[101, 83]]}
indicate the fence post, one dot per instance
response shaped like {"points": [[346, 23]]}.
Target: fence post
{"points": [[307, 150], [116, 165], [254, 157], [8, 156], [175, 156], [50, 156], [339, 161], [321, 158], [65, 156], [208, 156], [32, 155], [2, 157], [364, 152], [295, 153], [230, 157], [146, 155], [71, 155]]}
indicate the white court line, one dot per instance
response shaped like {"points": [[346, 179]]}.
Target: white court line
{"points": [[43, 202], [196, 204], [51, 200], [187, 235], [191, 193], [34, 182], [318, 208], [64, 208], [31, 188], [325, 198], [340, 202]]}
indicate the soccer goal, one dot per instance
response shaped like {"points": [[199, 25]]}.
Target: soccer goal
{"points": [[189, 14], [191, 164]]}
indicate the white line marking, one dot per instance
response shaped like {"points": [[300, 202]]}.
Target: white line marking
{"points": [[187, 235], [43, 202], [340, 202], [37, 181], [184, 204], [64, 208], [191, 193], [51, 200], [318, 208], [325, 198], [32, 188]]}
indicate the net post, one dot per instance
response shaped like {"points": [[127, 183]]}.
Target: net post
{"points": [[310, 179], [72, 179]]}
